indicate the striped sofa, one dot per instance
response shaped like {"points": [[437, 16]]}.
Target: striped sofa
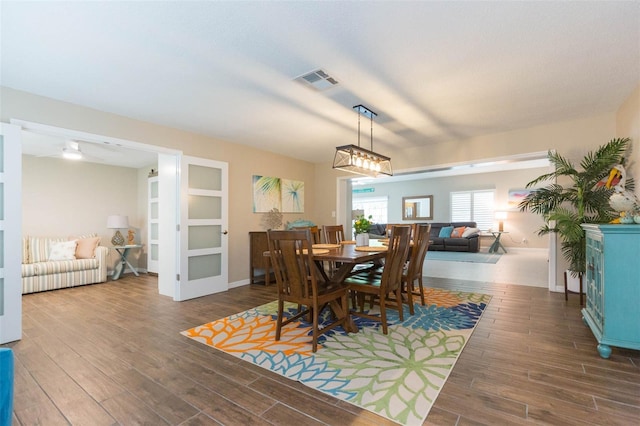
{"points": [[41, 274]]}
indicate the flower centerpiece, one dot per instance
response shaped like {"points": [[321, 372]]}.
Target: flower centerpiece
{"points": [[361, 227]]}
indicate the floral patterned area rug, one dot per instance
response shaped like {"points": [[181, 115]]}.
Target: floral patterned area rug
{"points": [[398, 375]]}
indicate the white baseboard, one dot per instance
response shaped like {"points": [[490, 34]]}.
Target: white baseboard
{"points": [[239, 283]]}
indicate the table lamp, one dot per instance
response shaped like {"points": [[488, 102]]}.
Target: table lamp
{"points": [[117, 222], [501, 216]]}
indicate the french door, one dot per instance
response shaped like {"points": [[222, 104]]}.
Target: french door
{"points": [[10, 233], [203, 226]]}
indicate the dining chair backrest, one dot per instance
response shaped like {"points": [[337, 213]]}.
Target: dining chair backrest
{"points": [[333, 234], [389, 226], [315, 233], [292, 262], [397, 252], [419, 250]]}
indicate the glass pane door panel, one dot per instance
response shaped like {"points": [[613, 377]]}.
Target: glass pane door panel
{"points": [[154, 190], [205, 178], [154, 211], [201, 207], [204, 266], [154, 251], [155, 235], [204, 237]]}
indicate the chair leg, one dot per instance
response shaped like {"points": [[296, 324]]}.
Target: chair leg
{"points": [[421, 289], [279, 320], [409, 295], [383, 313], [566, 288], [316, 315], [399, 303]]}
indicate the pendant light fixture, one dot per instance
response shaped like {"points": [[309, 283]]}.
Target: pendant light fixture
{"points": [[354, 159]]}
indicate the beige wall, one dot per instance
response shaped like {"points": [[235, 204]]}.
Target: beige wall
{"points": [[628, 125], [243, 161], [67, 198]]}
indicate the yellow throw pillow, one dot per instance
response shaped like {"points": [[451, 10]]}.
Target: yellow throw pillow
{"points": [[457, 232]]}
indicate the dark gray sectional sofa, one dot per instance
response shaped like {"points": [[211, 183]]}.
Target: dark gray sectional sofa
{"points": [[469, 244]]}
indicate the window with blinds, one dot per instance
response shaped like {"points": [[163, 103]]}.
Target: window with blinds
{"points": [[374, 206], [476, 206]]}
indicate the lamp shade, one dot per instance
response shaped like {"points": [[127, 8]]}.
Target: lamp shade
{"points": [[117, 222], [501, 215]]}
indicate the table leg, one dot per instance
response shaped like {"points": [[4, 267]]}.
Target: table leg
{"points": [[349, 326], [117, 271], [131, 267], [493, 247]]}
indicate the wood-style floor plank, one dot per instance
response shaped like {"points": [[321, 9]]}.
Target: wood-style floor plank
{"points": [[111, 353]]}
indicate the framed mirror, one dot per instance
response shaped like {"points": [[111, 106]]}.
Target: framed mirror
{"points": [[418, 207]]}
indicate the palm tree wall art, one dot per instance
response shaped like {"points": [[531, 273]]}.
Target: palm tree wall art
{"points": [[269, 193]]}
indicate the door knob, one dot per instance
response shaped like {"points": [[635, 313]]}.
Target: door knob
{"points": [[225, 232]]}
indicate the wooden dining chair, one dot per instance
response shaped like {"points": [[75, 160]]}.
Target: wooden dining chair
{"points": [[389, 226], [333, 234], [381, 287], [315, 233], [298, 282], [413, 271]]}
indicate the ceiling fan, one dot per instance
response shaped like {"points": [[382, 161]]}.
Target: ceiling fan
{"points": [[74, 150]]}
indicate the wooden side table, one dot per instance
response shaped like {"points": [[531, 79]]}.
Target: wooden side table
{"points": [[123, 251]]}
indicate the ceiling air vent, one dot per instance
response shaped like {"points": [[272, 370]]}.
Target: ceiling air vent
{"points": [[318, 79]]}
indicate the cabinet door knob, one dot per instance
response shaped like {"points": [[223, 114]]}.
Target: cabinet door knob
{"points": [[225, 232]]}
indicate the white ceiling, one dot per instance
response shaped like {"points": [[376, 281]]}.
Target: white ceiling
{"points": [[433, 71]]}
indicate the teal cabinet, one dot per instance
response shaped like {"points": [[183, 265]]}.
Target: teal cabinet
{"points": [[612, 281]]}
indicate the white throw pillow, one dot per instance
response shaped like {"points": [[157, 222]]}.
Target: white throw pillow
{"points": [[469, 232], [64, 250]]}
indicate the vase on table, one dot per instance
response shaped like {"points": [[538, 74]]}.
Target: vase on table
{"points": [[362, 240]]}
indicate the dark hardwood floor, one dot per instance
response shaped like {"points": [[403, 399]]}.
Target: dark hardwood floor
{"points": [[112, 354]]}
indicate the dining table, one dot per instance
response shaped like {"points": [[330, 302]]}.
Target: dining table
{"points": [[347, 256]]}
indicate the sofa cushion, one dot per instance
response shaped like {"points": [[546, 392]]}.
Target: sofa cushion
{"points": [[29, 269], [58, 266], [86, 248], [445, 232], [458, 231], [63, 250], [39, 248], [45, 268], [469, 231]]}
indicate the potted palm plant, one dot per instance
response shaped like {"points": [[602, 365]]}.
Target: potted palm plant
{"points": [[576, 196]]}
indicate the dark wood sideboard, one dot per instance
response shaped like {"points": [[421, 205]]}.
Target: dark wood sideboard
{"points": [[260, 271]]}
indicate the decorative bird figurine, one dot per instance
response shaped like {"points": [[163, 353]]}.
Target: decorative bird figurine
{"points": [[622, 200]]}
